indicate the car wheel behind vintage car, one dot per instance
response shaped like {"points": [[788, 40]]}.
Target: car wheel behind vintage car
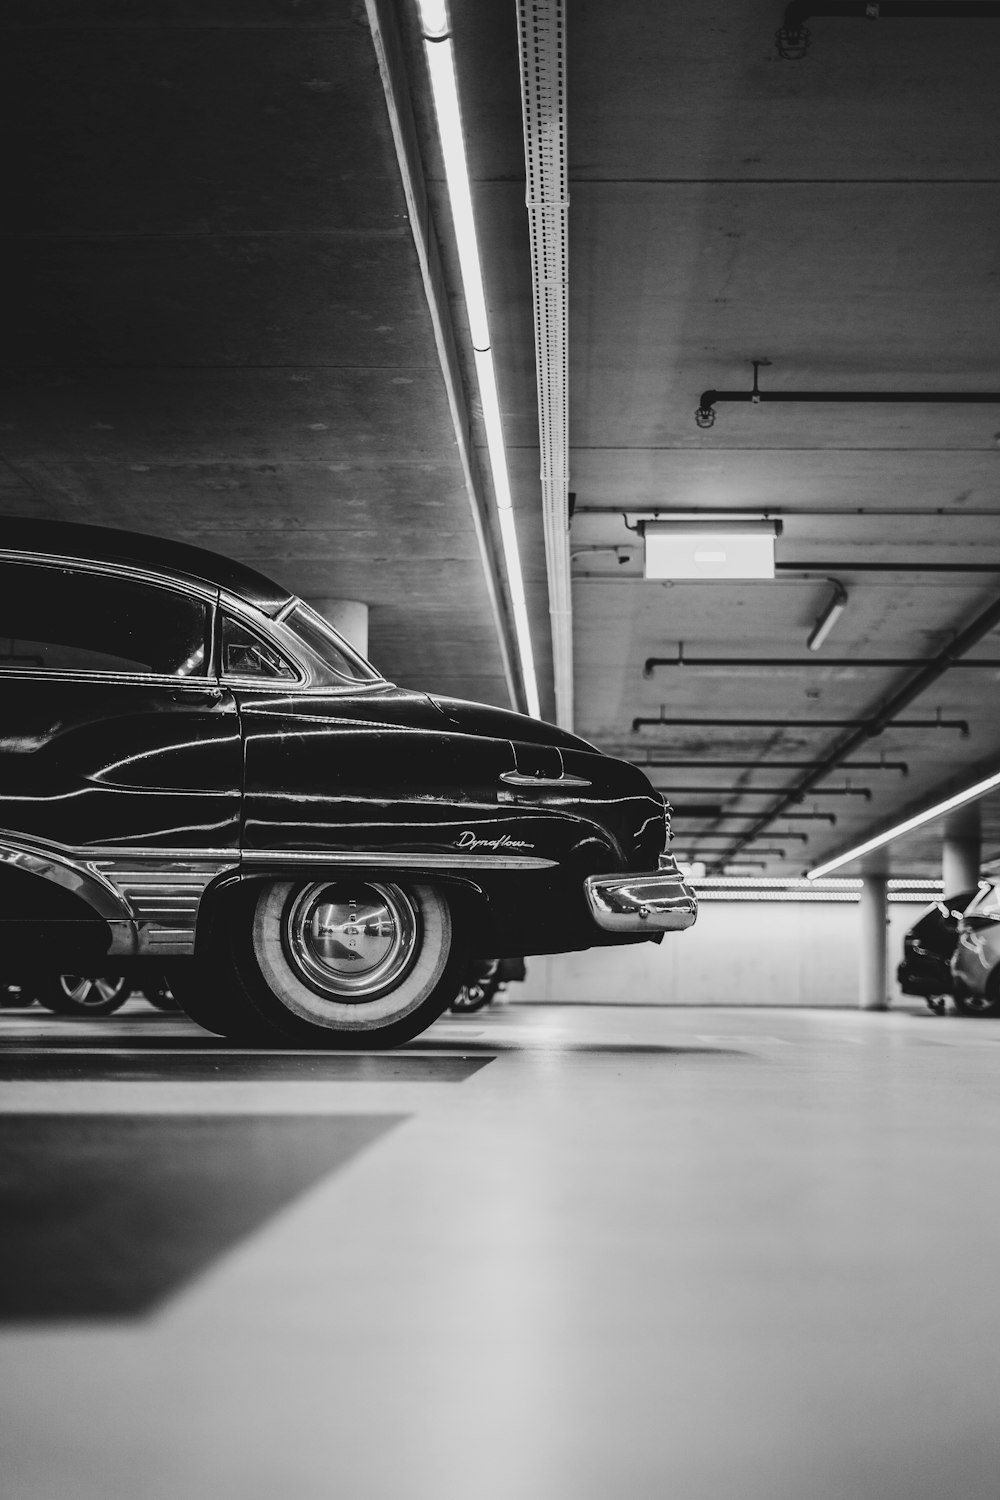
{"points": [[159, 994], [986, 1004], [351, 962], [79, 995]]}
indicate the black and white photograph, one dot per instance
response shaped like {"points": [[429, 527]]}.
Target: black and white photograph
{"points": [[500, 750]]}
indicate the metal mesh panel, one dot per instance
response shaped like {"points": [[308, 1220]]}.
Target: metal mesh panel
{"points": [[542, 31]]}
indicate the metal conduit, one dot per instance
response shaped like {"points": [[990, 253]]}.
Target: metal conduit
{"points": [[695, 843], [765, 791], [703, 763], [705, 413], [869, 727], [963, 642], [717, 814], [887, 567], [542, 53], [796, 662]]}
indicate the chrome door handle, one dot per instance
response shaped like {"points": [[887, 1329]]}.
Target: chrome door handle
{"points": [[520, 778]]}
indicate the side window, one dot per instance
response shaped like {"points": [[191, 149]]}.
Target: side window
{"points": [[56, 619], [246, 655]]}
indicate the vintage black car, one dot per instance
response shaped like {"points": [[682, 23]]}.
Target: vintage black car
{"points": [[197, 772]]}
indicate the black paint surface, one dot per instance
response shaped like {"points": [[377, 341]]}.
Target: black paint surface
{"points": [[119, 1066], [106, 1215]]}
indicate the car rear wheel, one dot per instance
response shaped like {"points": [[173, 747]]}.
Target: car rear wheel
{"points": [[986, 1004], [81, 995], [207, 990], [350, 962]]}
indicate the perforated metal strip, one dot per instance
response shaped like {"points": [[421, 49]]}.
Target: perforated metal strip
{"points": [[542, 34]]}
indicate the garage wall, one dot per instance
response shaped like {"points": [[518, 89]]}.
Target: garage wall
{"points": [[738, 953]]}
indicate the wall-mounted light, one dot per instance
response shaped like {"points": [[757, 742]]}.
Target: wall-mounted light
{"points": [[693, 547], [938, 810], [831, 614]]}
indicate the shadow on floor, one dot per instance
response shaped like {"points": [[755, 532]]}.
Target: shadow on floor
{"points": [[106, 1215]]}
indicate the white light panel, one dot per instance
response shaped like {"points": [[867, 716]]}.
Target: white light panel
{"points": [[709, 550]]}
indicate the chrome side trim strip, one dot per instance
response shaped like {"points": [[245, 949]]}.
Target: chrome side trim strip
{"points": [[408, 861], [149, 897], [164, 897], [75, 875]]}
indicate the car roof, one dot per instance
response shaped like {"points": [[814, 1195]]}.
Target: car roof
{"points": [[134, 549]]}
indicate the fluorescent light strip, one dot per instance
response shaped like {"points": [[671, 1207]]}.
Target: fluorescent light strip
{"points": [[440, 56], [971, 794]]}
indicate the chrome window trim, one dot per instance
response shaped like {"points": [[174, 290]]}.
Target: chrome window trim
{"points": [[209, 685], [217, 598], [207, 596], [209, 592], [290, 608], [289, 645]]}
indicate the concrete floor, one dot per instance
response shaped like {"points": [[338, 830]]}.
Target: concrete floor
{"points": [[617, 1252]]}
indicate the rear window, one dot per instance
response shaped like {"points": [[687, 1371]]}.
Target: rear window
{"points": [[324, 642], [56, 619]]}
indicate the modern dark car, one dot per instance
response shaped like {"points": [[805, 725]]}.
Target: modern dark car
{"points": [[198, 773], [928, 947], [975, 962]]}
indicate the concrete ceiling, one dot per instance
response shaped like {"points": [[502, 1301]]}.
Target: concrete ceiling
{"points": [[216, 328]]}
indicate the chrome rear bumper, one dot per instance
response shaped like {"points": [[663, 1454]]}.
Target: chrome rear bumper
{"points": [[657, 901]]}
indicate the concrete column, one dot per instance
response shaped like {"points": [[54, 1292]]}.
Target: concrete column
{"points": [[962, 849], [872, 987], [349, 616]]}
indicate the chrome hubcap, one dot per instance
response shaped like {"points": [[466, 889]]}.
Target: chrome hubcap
{"points": [[351, 939]]}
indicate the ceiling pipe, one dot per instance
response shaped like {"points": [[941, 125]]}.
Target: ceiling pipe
{"points": [[795, 572], [792, 37], [765, 791], [624, 551], [692, 844], [902, 698], [718, 814], [705, 413], [704, 764], [541, 26], [869, 727], [701, 840], [887, 567], [731, 512], [797, 663]]}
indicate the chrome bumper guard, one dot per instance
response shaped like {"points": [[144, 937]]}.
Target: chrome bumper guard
{"points": [[657, 901]]}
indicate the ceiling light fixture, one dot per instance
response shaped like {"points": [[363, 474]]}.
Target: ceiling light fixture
{"points": [[687, 547], [831, 614], [440, 54], [938, 810]]}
